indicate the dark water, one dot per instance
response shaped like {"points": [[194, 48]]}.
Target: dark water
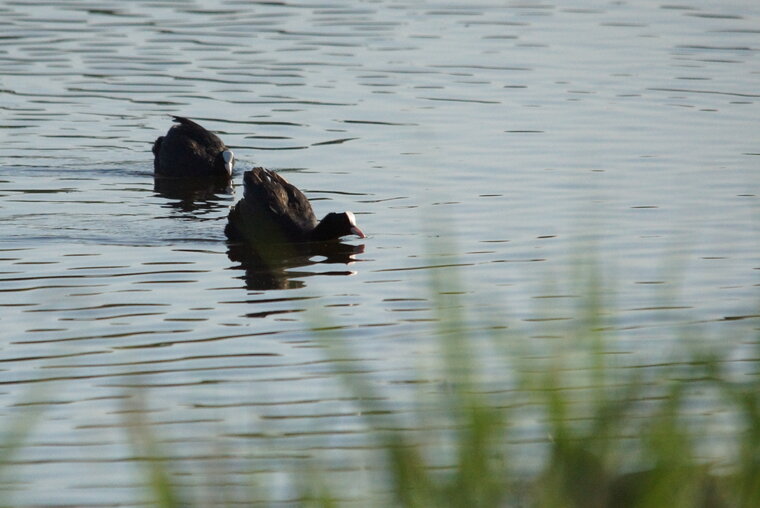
{"points": [[507, 145]]}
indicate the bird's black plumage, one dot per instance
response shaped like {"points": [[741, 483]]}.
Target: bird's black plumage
{"points": [[190, 151], [274, 211]]}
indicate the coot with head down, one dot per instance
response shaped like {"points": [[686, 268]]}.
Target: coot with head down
{"points": [[274, 211], [190, 151]]}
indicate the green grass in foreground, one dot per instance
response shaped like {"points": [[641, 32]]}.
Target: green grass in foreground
{"points": [[613, 437]]}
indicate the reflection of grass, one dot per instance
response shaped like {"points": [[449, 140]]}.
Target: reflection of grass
{"points": [[603, 435]]}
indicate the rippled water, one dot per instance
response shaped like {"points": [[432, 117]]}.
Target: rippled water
{"points": [[507, 144]]}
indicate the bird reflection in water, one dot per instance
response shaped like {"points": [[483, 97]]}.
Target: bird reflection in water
{"points": [[191, 194], [275, 266], [273, 230]]}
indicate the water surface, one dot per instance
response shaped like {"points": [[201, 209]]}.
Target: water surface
{"points": [[503, 145]]}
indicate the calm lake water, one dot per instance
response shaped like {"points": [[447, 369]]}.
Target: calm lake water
{"points": [[507, 146]]}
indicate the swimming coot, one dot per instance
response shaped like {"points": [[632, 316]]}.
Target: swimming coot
{"points": [[274, 211], [190, 151]]}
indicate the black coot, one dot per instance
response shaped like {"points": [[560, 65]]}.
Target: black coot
{"points": [[274, 211], [190, 151]]}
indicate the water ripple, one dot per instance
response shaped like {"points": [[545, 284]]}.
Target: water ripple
{"points": [[512, 148]]}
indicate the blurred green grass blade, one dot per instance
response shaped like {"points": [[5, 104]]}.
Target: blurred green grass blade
{"points": [[153, 462]]}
